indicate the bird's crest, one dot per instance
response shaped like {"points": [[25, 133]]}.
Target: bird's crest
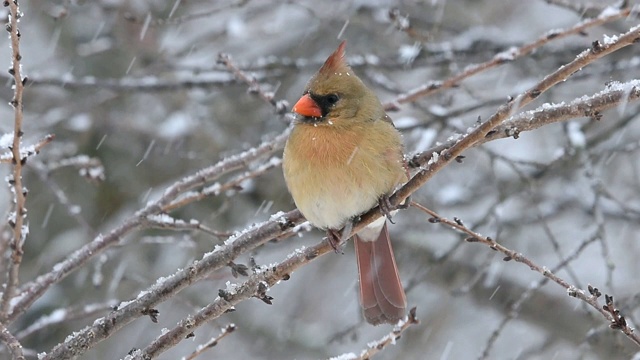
{"points": [[335, 61]]}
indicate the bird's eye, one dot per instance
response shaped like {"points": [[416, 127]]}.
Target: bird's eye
{"points": [[332, 99]]}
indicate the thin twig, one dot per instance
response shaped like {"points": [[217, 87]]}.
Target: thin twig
{"points": [[213, 342], [12, 343], [217, 188], [17, 217], [61, 316], [391, 338], [189, 17], [488, 128], [31, 291], [242, 242], [572, 290], [281, 106], [7, 158], [499, 59]]}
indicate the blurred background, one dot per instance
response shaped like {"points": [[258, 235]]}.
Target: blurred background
{"points": [[135, 86]]}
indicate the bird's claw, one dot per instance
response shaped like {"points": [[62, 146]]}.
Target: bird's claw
{"points": [[386, 207], [335, 240]]}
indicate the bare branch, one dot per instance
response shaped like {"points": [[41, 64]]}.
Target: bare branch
{"points": [[104, 327], [29, 150], [61, 316], [501, 58], [211, 343], [572, 290], [34, 289], [17, 217], [12, 343], [389, 339]]}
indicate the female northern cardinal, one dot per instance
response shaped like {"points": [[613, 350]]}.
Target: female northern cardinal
{"points": [[343, 156]]}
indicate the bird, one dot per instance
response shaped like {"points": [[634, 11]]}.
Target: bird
{"points": [[344, 156]]}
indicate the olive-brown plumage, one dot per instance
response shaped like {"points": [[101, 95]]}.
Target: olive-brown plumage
{"points": [[342, 157]]}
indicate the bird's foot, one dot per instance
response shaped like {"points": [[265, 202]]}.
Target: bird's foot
{"points": [[335, 240], [386, 207]]}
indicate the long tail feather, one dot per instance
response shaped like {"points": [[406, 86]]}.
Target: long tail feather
{"points": [[381, 293]]}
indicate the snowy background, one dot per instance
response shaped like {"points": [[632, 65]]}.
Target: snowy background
{"points": [[136, 87]]}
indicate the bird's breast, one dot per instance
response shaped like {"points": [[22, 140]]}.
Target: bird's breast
{"points": [[335, 174]]}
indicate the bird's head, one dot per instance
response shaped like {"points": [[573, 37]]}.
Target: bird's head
{"points": [[335, 94]]}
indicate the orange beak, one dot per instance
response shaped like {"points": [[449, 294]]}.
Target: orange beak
{"points": [[306, 106]]}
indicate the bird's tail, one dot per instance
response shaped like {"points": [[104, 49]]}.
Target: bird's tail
{"points": [[381, 293]]}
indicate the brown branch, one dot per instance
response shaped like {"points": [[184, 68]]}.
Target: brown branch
{"points": [[221, 256], [62, 316], [217, 188], [281, 106], [439, 160], [572, 290], [515, 307], [615, 94], [31, 291], [586, 10], [166, 222], [178, 81], [12, 343], [499, 59], [402, 22], [211, 343], [19, 213], [185, 18], [256, 286], [29, 151], [391, 338]]}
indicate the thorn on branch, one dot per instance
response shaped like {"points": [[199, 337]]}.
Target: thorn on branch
{"points": [[230, 328], [152, 313], [224, 294], [434, 220], [238, 269], [460, 158], [618, 322], [596, 47], [513, 132], [413, 318], [262, 293], [594, 291]]}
